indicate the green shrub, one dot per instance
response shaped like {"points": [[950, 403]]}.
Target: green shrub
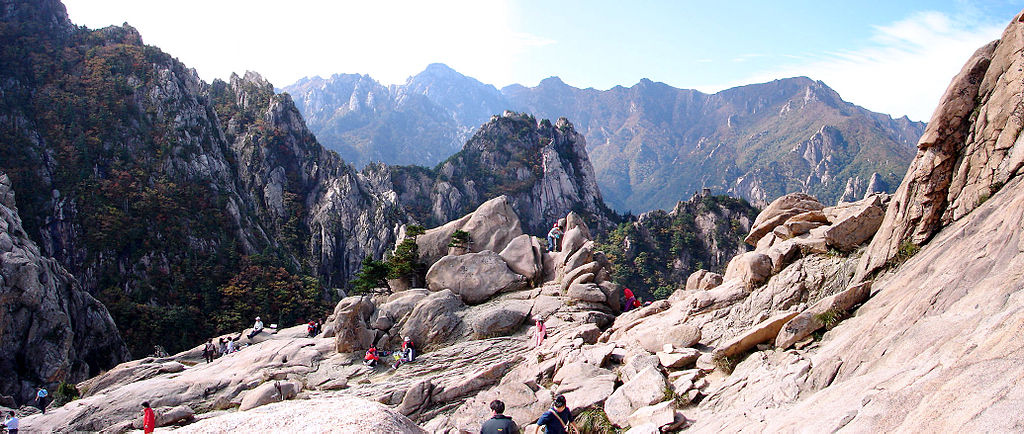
{"points": [[829, 318], [460, 238], [372, 275], [593, 420], [66, 392]]}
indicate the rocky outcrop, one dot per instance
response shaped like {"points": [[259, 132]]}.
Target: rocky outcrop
{"points": [[968, 152], [474, 277], [51, 329], [343, 414], [778, 212], [492, 226]]}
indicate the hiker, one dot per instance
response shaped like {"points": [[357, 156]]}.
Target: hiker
{"points": [[148, 418], [542, 330], [41, 399], [311, 328], [407, 354], [222, 347], [558, 418], [630, 300], [256, 328], [499, 423], [319, 327], [12, 424], [209, 350], [408, 349], [555, 239], [371, 358]]}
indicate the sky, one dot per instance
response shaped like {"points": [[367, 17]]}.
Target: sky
{"points": [[894, 57]]}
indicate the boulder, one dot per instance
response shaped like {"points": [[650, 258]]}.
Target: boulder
{"points": [[501, 319], [597, 354], [766, 331], [648, 387], [752, 268], [613, 292], [572, 241], [571, 275], [492, 226], [654, 336], [765, 242], [523, 256], [778, 212], [352, 331], [635, 362], [855, 226], [271, 391], [342, 414], [703, 280], [587, 292], [573, 221], [435, 319], [583, 255], [475, 277], [659, 415], [583, 279], [545, 305], [728, 293], [813, 241], [783, 254], [397, 307], [678, 359], [583, 384], [809, 321]]}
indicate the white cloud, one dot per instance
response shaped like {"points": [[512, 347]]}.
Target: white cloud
{"points": [[285, 41], [902, 70]]}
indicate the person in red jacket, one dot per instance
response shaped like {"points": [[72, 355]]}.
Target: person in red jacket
{"points": [[631, 301], [148, 418]]}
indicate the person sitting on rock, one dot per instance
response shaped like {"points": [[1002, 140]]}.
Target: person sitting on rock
{"points": [[555, 238], [256, 328], [407, 354], [630, 300], [371, 358], [499, 423], [558, 418], [311, 328], [408, 349], [222, 346]]}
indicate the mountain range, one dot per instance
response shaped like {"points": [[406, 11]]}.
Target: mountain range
{"points": [[651, 144]]}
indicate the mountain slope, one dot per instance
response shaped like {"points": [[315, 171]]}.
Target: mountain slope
{"points": [[653, 144]]}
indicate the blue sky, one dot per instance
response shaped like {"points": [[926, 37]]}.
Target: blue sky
{"points": [[892, 57]]}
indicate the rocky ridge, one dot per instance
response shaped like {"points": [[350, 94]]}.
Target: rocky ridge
{"points": [[763, 140], [53, 330]]}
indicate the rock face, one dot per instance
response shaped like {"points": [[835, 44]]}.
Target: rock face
{"points": [[51, 330], [491, 227], [475, 276], [542, 167], [704, 232], [778, 212], [968, 152], [352, 331], [343, 414]]}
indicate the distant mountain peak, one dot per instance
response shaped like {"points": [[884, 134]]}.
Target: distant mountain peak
{"points": [[554, 80]]}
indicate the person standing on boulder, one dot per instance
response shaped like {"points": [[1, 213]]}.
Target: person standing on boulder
{"points": [[558, 419], [209, 350], [499, 423], [256, 328], [148, 418], [41, 399], [555, 238], [542, 330]]}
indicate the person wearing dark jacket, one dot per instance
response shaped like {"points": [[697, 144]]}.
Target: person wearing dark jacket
{"points": [[557, 419], [499, 423]]}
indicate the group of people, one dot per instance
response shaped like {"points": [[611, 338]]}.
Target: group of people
{"points": [[313, 328], [406, 354], [557, 420]]}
